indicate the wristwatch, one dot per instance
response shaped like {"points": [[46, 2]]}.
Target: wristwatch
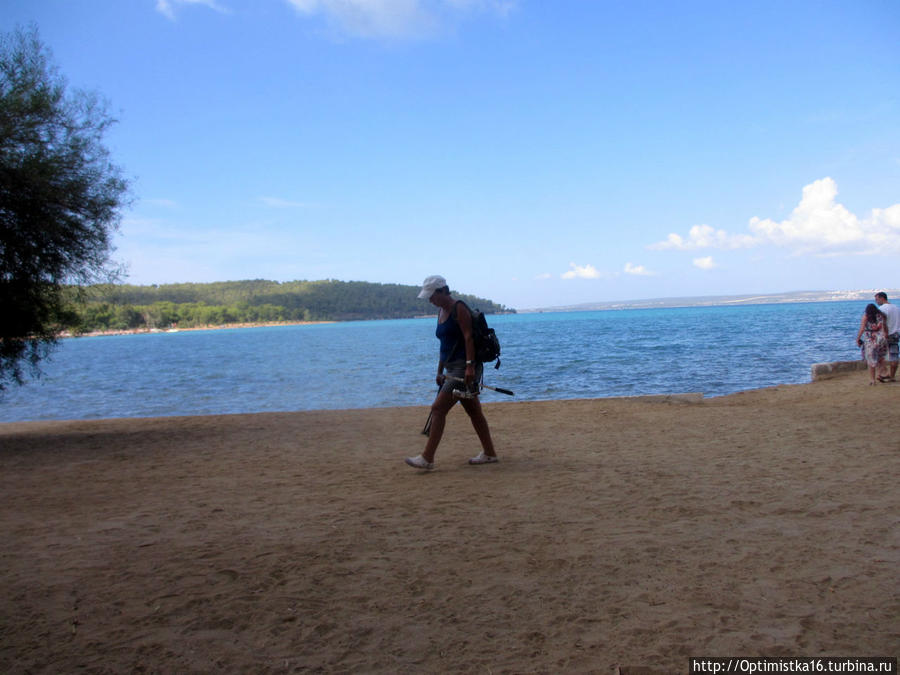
{"points": [[469, 363]]}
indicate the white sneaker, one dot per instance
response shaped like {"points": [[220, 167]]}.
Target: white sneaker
{"points": [[419, 462], [482, 458]]}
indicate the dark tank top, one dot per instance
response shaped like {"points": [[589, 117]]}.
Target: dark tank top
{"points": [[451, 337]]}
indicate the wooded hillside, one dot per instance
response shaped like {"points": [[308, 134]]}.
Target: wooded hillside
{"points": [[125, 307]]}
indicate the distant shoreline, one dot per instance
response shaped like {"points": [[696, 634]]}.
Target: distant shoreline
{"points": [[794, 297], [176, 329]]}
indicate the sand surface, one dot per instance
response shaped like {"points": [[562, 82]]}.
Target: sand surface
{"points": [[614, 533]]}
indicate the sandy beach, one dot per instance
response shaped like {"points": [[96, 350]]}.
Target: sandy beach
{"points": [[180, 329], [614, 534]]}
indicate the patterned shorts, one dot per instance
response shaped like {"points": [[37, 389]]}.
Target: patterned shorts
{"points": [[894, 347], [456, 370]]}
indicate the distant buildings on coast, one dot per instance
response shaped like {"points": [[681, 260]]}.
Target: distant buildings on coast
{"points": [[723, 300]]}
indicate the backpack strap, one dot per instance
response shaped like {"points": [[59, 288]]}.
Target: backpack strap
{"points": [[456, 304]]}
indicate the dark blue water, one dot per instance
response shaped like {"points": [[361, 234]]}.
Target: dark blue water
{"points": [[714, 350]]}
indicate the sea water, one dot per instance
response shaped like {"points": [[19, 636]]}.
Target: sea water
{"points": [[363, 364]]}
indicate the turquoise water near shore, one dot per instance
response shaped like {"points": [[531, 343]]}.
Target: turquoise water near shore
{"points": [[554, 355]]}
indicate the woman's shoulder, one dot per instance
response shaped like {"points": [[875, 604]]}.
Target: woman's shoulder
{"points": [[460, 307]]}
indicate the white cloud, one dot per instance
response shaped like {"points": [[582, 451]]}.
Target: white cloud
{"points": [[278, 203], [706, 263], [165, 203], [885, 224], [704, 236], [821, 225], [372, 18], [161, 251], [818, 225], [637, 270], [167, 7], [395, 18], [581, 272], [502, 7]]}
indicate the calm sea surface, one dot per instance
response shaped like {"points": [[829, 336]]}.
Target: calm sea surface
{"points": [[714, 350]]}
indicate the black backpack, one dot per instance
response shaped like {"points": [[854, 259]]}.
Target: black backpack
{"points": [[487, 346]]}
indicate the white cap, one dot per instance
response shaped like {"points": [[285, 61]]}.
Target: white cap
{"points": [[430, 285]]}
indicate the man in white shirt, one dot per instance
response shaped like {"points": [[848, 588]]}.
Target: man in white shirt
{"points": [[892, 316]]}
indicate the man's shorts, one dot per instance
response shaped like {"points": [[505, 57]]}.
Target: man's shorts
{"points": [[894, 347]]}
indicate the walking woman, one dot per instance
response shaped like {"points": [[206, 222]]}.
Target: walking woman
{"points": [[873, 338], [463, 373]]}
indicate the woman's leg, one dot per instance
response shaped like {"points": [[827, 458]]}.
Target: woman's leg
{"points": [[439, 410], [473, 407]]}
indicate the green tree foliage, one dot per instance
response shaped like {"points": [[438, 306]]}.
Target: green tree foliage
{"points": [[60, 197], [120, 307]]}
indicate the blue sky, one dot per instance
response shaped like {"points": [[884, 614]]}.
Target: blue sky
{"points": [[536, 153]]}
